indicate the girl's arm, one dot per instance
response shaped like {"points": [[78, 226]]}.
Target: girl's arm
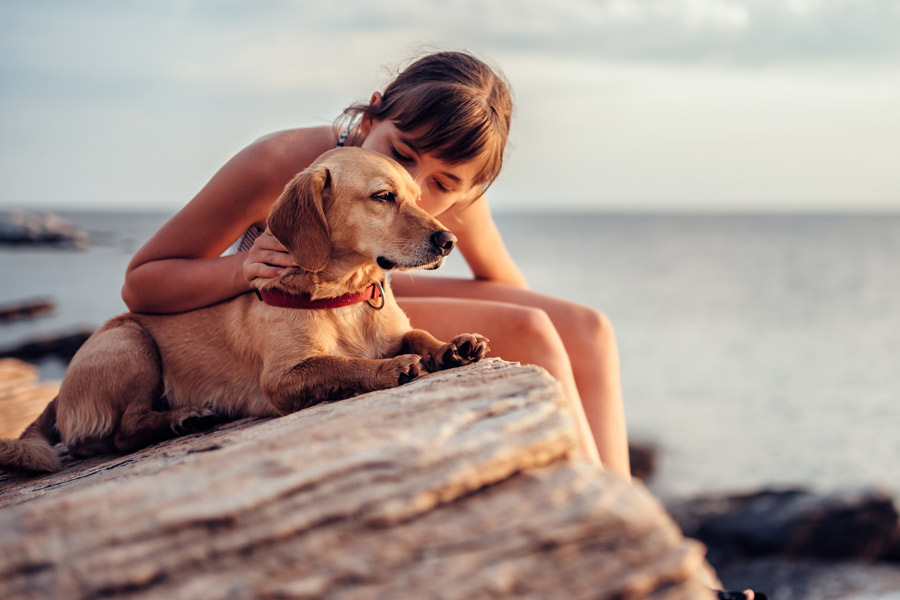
{"points": [[480, 243], [180, 269]]}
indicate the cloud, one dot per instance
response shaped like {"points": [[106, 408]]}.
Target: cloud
{"points": [[277, 45], [640, 89], [751, 33]]}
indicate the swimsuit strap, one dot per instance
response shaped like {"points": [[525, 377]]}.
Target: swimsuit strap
{"points": [[246, 240], [343, 137]]}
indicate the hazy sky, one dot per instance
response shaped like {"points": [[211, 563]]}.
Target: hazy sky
{"points": [[621, 104]]}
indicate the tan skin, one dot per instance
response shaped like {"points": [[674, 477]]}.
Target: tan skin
{"points": [[180, 268]]}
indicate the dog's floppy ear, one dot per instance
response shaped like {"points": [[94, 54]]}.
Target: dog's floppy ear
{"points": [[298, 219]]}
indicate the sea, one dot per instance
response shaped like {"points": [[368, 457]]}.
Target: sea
{"points": [[758, 351]]}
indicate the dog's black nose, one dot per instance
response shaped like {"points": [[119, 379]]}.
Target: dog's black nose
{"points": [[443, 241]]}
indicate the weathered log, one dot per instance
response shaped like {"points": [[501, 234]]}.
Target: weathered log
{"points": [[463, 484]]}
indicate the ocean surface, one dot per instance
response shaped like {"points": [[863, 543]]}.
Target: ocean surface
{"points": [[756, 350]]}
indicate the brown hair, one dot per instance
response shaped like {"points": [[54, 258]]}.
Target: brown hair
{"points": [[458, 108]]}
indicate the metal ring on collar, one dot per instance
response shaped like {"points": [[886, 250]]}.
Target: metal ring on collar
{"points": [[380, 285]]}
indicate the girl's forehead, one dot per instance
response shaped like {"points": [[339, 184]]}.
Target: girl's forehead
{"points": [[462, 173]]}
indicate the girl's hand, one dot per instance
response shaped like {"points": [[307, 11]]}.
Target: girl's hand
{"points": [[266, 258]]}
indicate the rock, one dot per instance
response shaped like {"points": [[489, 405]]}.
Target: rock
{"points": [[786, 578], [20, 227], [463, 484], [63, 345], [26, 309], [22, 396], [643, 457], [861, 526]]}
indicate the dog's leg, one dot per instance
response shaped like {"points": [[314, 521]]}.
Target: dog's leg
{"points": [[463, 349], [106, 398], [328, 378], [141, 425]]}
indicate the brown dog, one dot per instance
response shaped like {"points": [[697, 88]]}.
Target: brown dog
{"points": [[324, 331]]}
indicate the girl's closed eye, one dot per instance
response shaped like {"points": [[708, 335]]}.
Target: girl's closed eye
{"points": [[400, 158]]}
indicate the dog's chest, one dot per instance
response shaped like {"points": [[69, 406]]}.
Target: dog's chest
{"points": [[360, 333]]}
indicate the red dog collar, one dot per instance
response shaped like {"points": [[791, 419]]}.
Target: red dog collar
{"points": [[283, 299]]}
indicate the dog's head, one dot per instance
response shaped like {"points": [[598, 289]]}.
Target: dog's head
{"points": [[355, 205]]}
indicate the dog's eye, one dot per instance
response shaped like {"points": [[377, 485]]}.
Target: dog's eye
{"points": [[385, 196]]}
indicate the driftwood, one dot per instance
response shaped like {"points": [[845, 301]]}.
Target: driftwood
{"points": [[463, 484]]}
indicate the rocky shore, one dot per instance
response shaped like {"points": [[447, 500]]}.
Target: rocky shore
{"points": [[796, 544], [18, 227]]}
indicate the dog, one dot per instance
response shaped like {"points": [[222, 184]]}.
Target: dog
{"points": [[322, 331]]}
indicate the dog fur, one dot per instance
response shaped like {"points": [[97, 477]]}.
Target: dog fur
{"points": [[143, 378]]}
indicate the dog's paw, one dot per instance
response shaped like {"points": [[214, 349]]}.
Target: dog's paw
{"points": [[191, 419], [403, 369], [462, 350]]}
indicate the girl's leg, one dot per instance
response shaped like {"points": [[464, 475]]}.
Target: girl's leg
{"points": [[588, 339], [516, 333]]}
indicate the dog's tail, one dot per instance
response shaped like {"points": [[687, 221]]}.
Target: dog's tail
{"points": [[33, 451]]}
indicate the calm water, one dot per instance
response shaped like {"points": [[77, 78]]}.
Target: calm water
{"points": [[755, 350]]}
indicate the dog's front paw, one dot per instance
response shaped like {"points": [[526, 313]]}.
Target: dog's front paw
{"points": [[463, 349], [191, 419], [402, 369]]}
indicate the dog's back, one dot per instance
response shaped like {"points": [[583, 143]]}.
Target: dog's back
{"points": [[217, 356]]}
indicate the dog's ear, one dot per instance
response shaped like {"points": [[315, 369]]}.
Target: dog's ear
{"points": [[298, 219]]}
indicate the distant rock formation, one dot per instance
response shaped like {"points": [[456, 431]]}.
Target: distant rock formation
{"points": [[18, 227], [797, 544], [468, 483], [852, 525], [61, 345], [26, 309]]}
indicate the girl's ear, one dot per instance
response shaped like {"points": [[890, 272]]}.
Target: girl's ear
{"points": [[298, 220], [365, 124]]}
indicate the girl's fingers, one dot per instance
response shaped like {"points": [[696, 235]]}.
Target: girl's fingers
{"points": [[277, 259], [267, 241], [263, 265], [267, 250], [260, 271], [264, 271]]}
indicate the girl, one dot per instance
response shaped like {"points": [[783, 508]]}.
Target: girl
{"points": [[445, 119]]}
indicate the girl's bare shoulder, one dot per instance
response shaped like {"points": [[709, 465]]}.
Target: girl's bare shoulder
{"points": [[291, 150]]}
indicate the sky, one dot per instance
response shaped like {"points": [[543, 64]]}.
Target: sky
{"points": [[621, 105]]}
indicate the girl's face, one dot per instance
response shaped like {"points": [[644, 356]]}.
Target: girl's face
{"points": [[443, 184]]}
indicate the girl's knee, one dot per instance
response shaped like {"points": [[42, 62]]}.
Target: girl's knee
{"points": [[536, 337], [534, 323], [592, 328]]}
